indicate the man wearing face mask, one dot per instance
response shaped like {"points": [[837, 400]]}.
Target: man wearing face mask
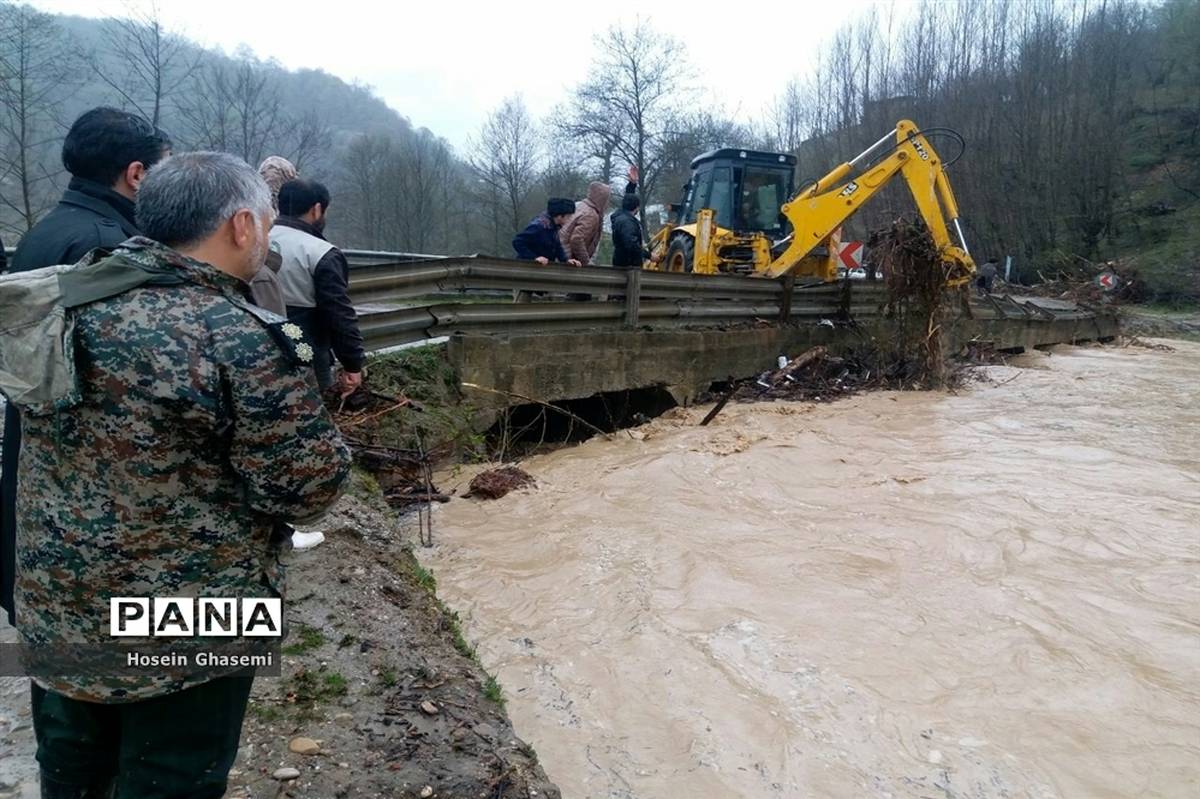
{"points": [[315, 279]]}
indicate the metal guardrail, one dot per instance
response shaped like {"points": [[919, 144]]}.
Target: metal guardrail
{"points": [[358, 258], [390, 297], [393, 282], [393, 291]]}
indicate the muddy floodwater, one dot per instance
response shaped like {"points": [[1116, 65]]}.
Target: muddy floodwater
{"points": [[988, 594]]}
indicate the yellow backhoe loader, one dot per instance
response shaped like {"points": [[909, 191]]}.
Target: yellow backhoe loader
{"points": [[741, 213]]}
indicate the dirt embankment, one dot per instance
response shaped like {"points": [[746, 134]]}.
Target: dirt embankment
{"points": [[380, 695], [379, 680], [1137, 321]]}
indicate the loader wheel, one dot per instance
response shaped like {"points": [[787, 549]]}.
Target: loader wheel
{"points": [[680, 255]]}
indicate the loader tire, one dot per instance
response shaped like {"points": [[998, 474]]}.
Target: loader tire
{"points": [[680, 254]]}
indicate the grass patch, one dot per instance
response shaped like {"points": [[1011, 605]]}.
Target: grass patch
{"points": [[424, 374], [454, 624], [335, 684], [529, 752], [423, 577], [265, 713], [388, 678], [449, 619], [493, 690], [309, 638], [317, 687], [364, 485]]}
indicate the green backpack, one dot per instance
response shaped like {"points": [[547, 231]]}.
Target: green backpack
{"points": [[37, 324]]}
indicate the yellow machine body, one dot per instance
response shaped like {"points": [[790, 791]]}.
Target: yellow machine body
{"points": [[816, 214]]}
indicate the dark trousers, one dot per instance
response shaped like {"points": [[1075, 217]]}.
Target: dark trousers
{"points": [[8, 508], [178, 746], [323, 366]]}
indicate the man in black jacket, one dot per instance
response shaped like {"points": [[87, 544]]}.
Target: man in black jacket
{"points": [[315, 279], [107, 153], [628, 251], [627, 228]]}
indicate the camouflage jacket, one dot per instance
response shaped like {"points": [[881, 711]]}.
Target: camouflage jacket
{"points": [[195, 428]]}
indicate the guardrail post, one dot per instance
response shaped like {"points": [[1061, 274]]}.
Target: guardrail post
{"points": [[845, 300], [785, 302], [633, 296]]}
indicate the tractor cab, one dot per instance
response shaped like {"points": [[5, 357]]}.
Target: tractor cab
{"points": [[744, 188]]}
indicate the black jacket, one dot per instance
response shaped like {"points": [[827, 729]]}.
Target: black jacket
{"points": [[333, 323], [627, 240], [627, 236], [88, 216]]}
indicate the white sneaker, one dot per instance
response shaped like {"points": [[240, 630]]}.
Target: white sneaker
{"points": [[302, 541]]}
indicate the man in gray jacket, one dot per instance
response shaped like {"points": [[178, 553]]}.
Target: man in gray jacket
{"points": [[315, 278]]}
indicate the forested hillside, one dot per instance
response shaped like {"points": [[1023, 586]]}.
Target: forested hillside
{"points": [[1081, 122], [1082, 125]]}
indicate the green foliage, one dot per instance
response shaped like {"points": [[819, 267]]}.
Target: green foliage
{"points": [[308, 638], [1142, 161], [364, 485], [493, 690], [316, 687], [424, 374], [265, 713], [454, 623], [424, 577], [335, 684]]}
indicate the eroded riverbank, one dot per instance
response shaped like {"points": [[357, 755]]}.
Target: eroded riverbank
{"points": [[990, 594]]}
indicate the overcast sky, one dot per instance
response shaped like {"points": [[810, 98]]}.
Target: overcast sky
{"points": [[445, 65]]}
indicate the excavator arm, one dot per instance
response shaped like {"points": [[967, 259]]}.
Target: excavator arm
{"points": [[819, 210]]}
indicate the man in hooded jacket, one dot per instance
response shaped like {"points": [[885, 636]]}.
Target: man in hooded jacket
{"points": [[580, 237]]}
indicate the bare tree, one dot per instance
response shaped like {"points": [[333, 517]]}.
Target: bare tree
{"points": [[36, 65], [364, 189], [421, 168], [235, 107], [787, 121], [636, 89], [308, 138], [505, 159], [146, 64]]}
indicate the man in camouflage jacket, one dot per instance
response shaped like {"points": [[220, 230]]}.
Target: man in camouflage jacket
{"points": [[193, 427]]}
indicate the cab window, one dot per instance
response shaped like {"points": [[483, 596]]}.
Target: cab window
{"points": [[762, 194], [698, 197], [720, 200]]}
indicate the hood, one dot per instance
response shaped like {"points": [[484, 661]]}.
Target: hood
{"points": [[276, 171], [598, 195]]}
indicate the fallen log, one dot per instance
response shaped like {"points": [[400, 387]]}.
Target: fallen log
{"points": [[771, 380]]}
